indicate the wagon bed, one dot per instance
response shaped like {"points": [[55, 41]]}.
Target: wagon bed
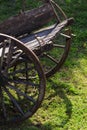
{"points": [[44, 36]]}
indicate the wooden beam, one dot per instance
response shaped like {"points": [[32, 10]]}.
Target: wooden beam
{"points": [[27, 21]]}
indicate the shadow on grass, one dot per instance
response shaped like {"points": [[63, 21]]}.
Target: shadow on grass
{"points": [[62, 91], [59, 90], [27, 125]]}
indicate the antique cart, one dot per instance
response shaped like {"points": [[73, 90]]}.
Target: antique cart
{"points": [[33, 46]]}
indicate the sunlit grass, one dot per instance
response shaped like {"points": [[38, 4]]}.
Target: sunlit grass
{"points": [[65, 103]]}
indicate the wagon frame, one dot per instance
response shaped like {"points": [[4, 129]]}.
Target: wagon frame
{"points": [[27, 58]]}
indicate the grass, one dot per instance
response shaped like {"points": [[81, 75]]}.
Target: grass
{"points": [[65, 103]]}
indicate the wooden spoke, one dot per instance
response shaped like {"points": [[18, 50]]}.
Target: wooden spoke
{"points": [[26, 66], [10, 53], [21, 93], [1, 44], [15, 59], [23, 81], [51, 58], [3, 106], [2, 55], [13, 100], [20, 71], [59, 46], [64, 35], [2, 103]]}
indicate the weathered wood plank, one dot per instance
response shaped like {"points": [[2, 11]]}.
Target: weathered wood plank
{"points": [[27, 21]]}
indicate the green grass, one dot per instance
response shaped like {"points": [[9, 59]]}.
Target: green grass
{"points": [[65, 104]]}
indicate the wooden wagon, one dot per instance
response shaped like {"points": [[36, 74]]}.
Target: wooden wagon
{"points": [[33, 46]]}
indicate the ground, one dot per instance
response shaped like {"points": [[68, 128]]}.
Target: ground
{"points": [[65, 104]]}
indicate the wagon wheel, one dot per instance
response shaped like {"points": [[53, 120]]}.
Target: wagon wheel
{"points": [[22, 81], [53, 59]]}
